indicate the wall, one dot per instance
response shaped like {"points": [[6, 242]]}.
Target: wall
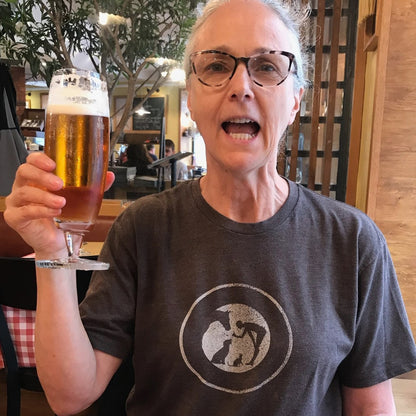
{"points": [[391, 197], [34, 98]]}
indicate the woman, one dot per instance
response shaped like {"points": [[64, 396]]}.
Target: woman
{"points": [[240, 294]]}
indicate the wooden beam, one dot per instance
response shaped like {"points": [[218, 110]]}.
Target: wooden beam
{"points": [[384, 16], [316, 100], [332, 94], [356, 118]]}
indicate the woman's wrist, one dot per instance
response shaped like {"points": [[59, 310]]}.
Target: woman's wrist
{"points": [[49, 255]]}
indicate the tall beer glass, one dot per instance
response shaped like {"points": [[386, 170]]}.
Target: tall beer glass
{"points": [[77, 138]]}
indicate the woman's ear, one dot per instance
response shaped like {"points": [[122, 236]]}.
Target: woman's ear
{"points": [[296, 106], [189, 99]]}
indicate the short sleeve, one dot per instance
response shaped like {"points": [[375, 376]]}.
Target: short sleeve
{"points": [[108, 311], [383, 346]]}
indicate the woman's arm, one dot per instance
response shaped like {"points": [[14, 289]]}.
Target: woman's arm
{"points": [[73, 375], [376, 400]]}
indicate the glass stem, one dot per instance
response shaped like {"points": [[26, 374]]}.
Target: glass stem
{"points": [[69, 245]]}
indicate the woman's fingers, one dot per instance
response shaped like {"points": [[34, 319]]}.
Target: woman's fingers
{"points": [[28, 204], [109, 180], [27, 195], [31, 197], [37, 172], [32, 205], [42, 161], [29, 200]]}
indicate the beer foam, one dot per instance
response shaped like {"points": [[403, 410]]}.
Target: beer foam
{"points": [[79, 109], [78, 99]]}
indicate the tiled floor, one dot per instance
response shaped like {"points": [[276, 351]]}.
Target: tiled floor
{"points": [[34, 404]]}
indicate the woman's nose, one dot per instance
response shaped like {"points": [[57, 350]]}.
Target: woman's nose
{"points": [[241, 84]]}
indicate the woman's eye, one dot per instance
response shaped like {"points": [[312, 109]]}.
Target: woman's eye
{"points": [[216, 67], [266, 67]]}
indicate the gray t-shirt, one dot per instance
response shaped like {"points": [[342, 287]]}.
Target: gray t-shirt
{"points": [[226, 318]]}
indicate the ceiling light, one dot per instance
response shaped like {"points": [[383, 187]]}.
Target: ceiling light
{"points": [[141, 111], [110, 19]]}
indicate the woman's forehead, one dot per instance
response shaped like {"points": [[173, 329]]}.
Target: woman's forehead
{"points": [[244, 27]]}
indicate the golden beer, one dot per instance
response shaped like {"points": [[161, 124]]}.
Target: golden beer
{"points": [[77, 138], [79, 144]]}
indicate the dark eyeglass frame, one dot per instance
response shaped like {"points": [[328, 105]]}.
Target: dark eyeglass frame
{"points": [[245, 60]]}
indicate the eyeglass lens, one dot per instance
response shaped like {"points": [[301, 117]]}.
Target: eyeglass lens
{"points": [[215, 68]]}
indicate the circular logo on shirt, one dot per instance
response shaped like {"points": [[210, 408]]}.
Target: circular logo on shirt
{"points": [[236, 338]]}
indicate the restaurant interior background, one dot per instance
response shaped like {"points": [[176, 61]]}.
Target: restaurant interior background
{"points": [[353, 139]]}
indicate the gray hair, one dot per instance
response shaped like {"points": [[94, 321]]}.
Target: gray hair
{"points": [[292, 16]]}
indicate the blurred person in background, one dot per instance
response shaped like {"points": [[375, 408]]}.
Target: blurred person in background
{"points": [[151, 150], [181, 168], [138, 156]]}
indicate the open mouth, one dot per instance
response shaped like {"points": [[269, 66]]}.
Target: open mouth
{"points": [[243, 129]]}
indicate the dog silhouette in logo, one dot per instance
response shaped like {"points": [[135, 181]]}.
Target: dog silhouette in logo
{"points": [[220, 355]]}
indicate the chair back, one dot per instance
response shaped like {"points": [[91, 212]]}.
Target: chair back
{"points": [[18, 290]]}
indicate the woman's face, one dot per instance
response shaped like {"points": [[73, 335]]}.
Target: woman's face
{"points": [[242, 122]]}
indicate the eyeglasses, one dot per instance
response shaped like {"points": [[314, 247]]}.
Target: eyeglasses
{"points": [[215, 68]]}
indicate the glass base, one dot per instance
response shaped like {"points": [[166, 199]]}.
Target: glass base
{"points": [[74, 263]]}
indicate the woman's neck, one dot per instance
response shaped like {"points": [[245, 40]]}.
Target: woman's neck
{"points": [[246, 200]]}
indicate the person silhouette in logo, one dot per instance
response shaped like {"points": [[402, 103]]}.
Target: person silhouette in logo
{"points": [[255, 332]]}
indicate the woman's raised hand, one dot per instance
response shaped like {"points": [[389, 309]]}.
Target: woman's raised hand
{"points": [[32, 205]]}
